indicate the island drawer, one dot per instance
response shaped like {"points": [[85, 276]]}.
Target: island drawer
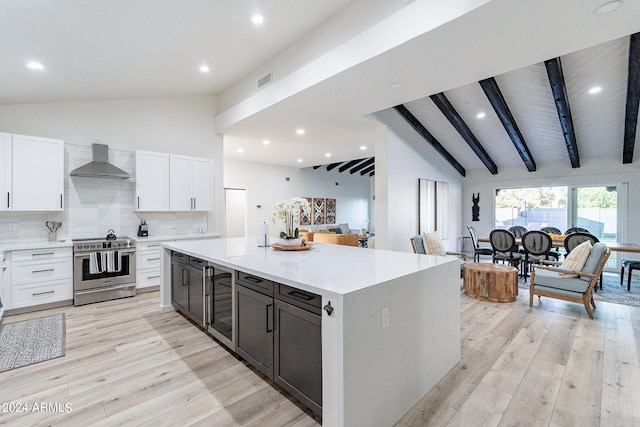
{"points": [[302, 299], [256, 283]]}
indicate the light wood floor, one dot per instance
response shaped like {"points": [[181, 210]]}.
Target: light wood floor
{"points": [[126, 364]]}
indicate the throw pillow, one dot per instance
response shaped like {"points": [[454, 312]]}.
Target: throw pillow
{"points": [[344, 228], [433, 245], [577, 257], [336, 230]]}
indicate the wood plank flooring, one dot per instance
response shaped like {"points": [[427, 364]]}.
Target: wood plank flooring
{"points": [[127, 364]]}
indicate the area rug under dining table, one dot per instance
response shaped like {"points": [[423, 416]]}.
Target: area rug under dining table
{"points": [[31, 341]]}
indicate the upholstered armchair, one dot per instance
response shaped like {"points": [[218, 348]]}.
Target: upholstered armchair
{"points": [[430, 244], [570, 284], [336, 239]]}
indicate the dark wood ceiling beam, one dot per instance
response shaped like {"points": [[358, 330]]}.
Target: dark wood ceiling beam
{"points": [[559, 90], [633, 99], [332, 166], [454, 118], [316, 167], [424, 133], [494, 95], [372, 173], [369, 162], [368, 170], [350, 164]]}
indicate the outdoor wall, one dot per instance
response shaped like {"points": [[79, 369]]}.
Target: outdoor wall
{"points": [[266, 184]]}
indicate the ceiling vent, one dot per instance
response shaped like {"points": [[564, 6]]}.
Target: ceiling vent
{"points": [[266, 79]]}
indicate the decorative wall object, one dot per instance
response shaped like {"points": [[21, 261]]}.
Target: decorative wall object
{"points": [[475, 209], [319, 211], [433, 207], [331, 211], [305, 217]]}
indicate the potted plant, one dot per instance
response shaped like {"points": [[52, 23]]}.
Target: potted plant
{"points": [[288, 211]]}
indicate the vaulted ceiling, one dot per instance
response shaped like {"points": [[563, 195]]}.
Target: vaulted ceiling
{"points": [[541, 113]]}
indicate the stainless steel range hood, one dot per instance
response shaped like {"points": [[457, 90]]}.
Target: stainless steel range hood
{"points": [[100, 166]]}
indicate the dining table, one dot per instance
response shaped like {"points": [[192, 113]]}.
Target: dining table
{"points": [[558, 242]]}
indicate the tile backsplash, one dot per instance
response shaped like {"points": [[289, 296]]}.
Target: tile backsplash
{"points": [[95, 205]]}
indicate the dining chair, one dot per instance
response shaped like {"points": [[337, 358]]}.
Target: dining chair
{"points": [[537, 247], [576, 230], [433, 246], [504, 248], [551, 230], [518, 230], [477, 249]]}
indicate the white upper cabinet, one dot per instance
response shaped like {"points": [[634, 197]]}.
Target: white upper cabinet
{"points": [[152, 181], [37, 174], [191, 183], [5, 171]]}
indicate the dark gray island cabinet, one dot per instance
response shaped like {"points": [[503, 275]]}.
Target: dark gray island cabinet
{"points": [[279, 332], [389, 333]]}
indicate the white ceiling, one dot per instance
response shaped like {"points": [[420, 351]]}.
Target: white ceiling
{"points": [[95, 49]]}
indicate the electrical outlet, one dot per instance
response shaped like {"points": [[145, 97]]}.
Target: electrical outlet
{"points": [[385, 318], [13, 226]]}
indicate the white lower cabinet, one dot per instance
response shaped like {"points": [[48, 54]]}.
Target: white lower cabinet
{"points": [[41, 276], [148, 264]]}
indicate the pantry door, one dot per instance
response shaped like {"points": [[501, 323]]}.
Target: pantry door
{"points": [[235, 208]]}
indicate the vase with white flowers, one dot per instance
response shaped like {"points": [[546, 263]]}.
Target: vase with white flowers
{"points": [[288, 211]]}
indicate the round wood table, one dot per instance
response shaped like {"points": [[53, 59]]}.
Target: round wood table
{"points": [[491, 282]]}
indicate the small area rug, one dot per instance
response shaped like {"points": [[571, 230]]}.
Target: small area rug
{"points": [[31, 341], [611, 290]]}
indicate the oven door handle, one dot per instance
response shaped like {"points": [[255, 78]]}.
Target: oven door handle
{"points": [[86, 254]]}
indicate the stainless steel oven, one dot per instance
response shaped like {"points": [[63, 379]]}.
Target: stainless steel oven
{"points": [[220, 304], [103, 269]]}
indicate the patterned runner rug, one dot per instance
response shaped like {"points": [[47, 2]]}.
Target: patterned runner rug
{"points": [[31, 341]]}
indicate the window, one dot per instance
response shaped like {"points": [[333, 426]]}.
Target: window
{"points": [[599, 209]]}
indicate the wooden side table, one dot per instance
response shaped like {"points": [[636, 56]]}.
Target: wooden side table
{"points": [[490, 282]]}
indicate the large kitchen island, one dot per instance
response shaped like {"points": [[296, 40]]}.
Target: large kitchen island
{"points": [[390, 321]]}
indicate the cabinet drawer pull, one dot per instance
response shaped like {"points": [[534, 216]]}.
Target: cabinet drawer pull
{"points": [[252, 279], [42, 254], [269, 318], [153, 277], [300, 295], [153, 246], [43, 271], [42, 293], [153, 259]]}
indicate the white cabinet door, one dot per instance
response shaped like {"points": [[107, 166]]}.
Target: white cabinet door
{"points": [[38, 174], [152, 181], [202, 172], [180, 179], [5, 171], [191, 187]]}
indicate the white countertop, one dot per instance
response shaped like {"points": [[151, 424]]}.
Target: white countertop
{"points": [[325, 269]]}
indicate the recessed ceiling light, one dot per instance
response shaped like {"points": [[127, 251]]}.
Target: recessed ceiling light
{"points": [[35, 65], [481, 115], [266, 142], [240, 150], [608, 7], [327, 155], [257, 19], [300, 131], [363, 147], [204, 69], [595, 89], [396, 85], [299, 160]]}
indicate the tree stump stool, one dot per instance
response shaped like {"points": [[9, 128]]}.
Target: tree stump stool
{"points": [[491, 282]]}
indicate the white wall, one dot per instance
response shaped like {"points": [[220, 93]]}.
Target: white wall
{"points": [[266, 184], [602, 171], [177, 125], [402, 157]]}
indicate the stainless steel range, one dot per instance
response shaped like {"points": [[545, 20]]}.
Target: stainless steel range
{"points": [[103, 269]]}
